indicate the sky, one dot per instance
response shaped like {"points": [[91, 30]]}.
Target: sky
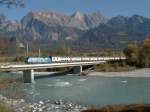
{"points": [[109, 8]]}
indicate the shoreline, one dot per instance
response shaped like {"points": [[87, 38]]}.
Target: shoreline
{"points": [[133, 73], [137, 73], [20, 105]]}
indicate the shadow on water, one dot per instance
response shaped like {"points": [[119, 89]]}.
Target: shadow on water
{"points": [[62, 73]]}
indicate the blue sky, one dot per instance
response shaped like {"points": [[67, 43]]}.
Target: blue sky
{"points": [[109, 8]]}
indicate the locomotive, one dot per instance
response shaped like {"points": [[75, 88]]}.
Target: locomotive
{"points": [[38, 59], [53, 59]]}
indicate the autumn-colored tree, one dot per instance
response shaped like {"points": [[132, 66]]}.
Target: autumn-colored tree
{"points": [[132, 54], [138, 56], [147, 45], [145, 54]]}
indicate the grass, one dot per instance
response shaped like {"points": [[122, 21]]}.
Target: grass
{"points": [[4, 107], [6, 58], [4, 82], [117, 66]]}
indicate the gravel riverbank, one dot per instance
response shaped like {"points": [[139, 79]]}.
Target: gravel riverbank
{"points": [[42, 106]]}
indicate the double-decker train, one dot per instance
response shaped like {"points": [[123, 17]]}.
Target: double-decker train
{"points": [[53, 59]]}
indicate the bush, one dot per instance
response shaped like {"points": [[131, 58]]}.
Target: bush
{"points": [[132, 54], [4, 107], [139, 57]]}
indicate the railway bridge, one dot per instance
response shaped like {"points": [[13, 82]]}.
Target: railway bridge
{"points": [[28, 69]]}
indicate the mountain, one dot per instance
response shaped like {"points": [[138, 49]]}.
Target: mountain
{"points": [[90, 20], [82, 30], [77, 20], [118, 32], [52, 25]]}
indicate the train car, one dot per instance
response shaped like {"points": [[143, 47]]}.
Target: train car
{"points": [[32, 60], [56, 59], [76, 59]]}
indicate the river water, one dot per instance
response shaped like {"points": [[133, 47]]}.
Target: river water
{"points": [[89, 90]]}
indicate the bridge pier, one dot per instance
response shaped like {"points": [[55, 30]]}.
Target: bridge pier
{"points": [[28, 76], [77, 69]]}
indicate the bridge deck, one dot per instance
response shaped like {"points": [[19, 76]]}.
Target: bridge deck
{"points": [[17, 67]]}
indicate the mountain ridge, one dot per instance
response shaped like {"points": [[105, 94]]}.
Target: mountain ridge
{"points": [[119, 31], [92, 29], [35, 22]]}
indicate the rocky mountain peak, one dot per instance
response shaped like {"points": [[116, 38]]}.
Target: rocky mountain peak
{"points": [[78, 15], [118, 20], [54, 25], [47, 14], [138, 18]]}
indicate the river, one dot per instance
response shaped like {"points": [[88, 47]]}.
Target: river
{"points": [[89, 90]]}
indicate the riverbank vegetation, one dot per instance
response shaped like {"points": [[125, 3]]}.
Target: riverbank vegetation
{"points": [[4, 107], [4, 82], [15, 93], [122, 108], [114, 66], [138, 56]]}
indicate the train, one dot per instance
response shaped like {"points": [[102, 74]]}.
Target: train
{"points": [[56, 59]]}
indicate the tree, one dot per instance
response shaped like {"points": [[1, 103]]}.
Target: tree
{"points": [[145, 54], [132, 54], [147, 45], [138, 56], [10, 3]]}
